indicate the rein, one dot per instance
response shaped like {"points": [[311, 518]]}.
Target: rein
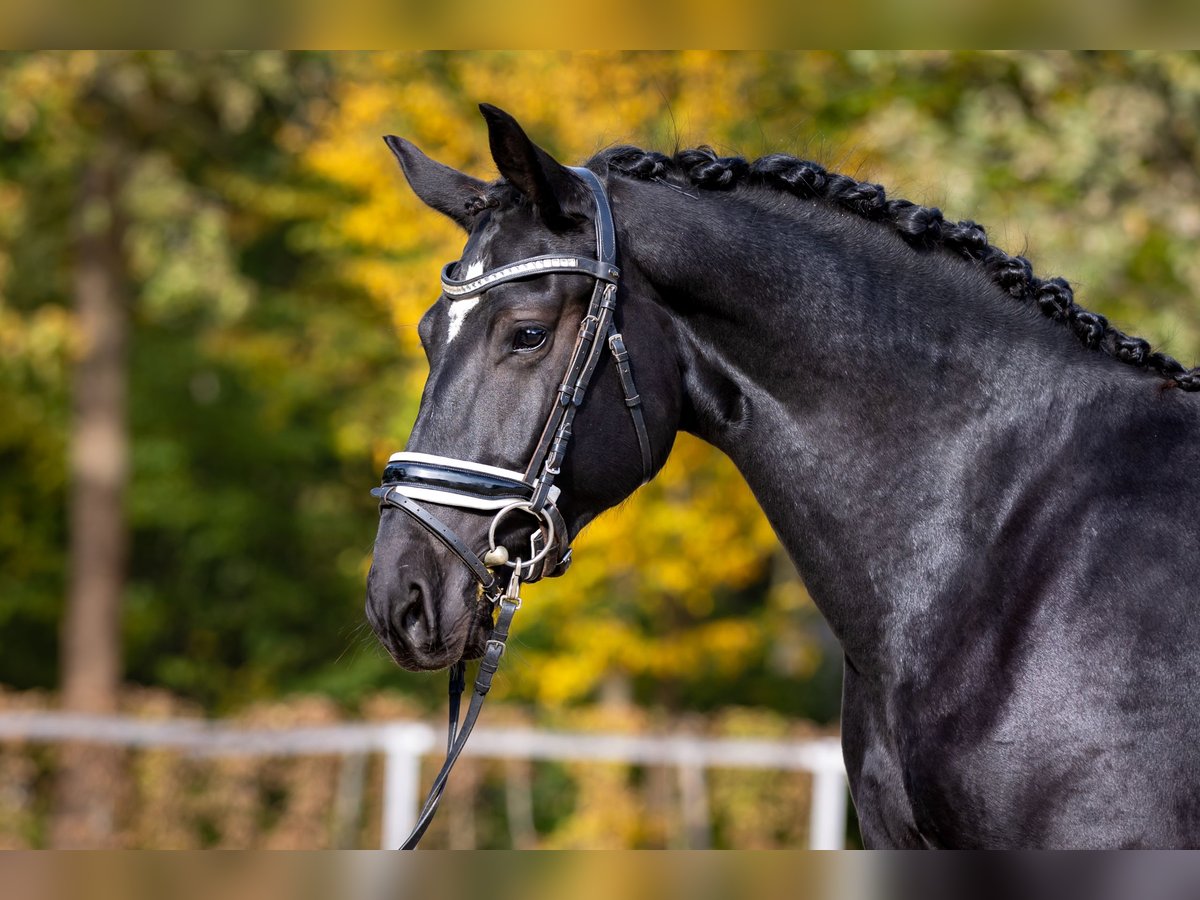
{"points": [[445, 481]]}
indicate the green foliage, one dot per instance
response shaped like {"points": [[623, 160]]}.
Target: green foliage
{"points": [[247, 350]]}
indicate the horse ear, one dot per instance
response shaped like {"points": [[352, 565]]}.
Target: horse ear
{"points": [[548, 184], [440, 187]]}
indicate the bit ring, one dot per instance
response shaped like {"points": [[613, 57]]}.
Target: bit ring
{"points": [[544, 524]]}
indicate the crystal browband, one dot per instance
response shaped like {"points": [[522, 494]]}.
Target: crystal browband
{"points": [[535, 265]]}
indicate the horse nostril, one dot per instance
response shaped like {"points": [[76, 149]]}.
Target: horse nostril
{"points": [[412, 615]]}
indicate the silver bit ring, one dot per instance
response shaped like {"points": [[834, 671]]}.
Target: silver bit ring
{"points": [[544, 524]]}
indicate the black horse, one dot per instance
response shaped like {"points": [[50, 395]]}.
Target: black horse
{"points": [[992, 495]]}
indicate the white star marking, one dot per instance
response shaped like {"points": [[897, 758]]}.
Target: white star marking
{"points": [[459, 308]]}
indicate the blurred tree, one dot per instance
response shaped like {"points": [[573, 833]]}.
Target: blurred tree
{"points": [[132, 146], [91, 655]]}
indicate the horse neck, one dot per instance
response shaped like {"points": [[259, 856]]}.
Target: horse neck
{"points": [[861, 388]]}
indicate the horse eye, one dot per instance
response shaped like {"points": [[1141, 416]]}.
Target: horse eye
{"points": [[528, 337]]}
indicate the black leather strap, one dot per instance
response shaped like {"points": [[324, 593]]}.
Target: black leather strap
{"points": [[606, 230], [552, 445], [557, 563], [455, 480], [458, 684], [633, 400], [483, 684], [439, 530], [597, 326]]}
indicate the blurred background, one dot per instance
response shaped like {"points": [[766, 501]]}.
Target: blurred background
{"points": [[211, 270]]}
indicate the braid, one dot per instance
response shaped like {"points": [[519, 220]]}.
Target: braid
{"points": [[862, 197], [796, 176], [640, 164], [706, 169], [922, 227]]}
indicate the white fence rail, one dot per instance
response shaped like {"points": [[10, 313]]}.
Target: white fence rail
{"points": [[403, 744]]}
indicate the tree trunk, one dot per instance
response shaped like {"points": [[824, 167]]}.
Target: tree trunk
{"points": [[90, 653]]}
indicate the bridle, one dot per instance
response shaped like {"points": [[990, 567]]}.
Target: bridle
{"points": [[446, 481]]}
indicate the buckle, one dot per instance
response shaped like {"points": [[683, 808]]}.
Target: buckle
{"points": [[616, 344]]}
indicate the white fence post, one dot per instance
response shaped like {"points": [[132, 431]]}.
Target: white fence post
{"points": [[827, 818], [402, 751], [693, 789]]}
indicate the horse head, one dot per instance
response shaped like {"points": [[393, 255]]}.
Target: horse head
{"points": [[531, 423]]}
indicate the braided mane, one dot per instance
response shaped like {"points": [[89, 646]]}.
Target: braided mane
{"points": [[922, 227]]}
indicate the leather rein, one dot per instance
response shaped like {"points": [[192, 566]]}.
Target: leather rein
{"points": [[445, 481]]}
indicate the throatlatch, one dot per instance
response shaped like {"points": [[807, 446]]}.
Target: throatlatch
{"points": [[412, 478]]}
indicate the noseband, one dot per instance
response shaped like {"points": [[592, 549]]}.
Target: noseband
{"points": [[446, 481]]}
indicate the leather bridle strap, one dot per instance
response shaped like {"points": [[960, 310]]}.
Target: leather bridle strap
{"points": [[597, 326], [470, 485], [633, 400], [446, 481], [509, 604], [439, 530], [526, 268]]}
